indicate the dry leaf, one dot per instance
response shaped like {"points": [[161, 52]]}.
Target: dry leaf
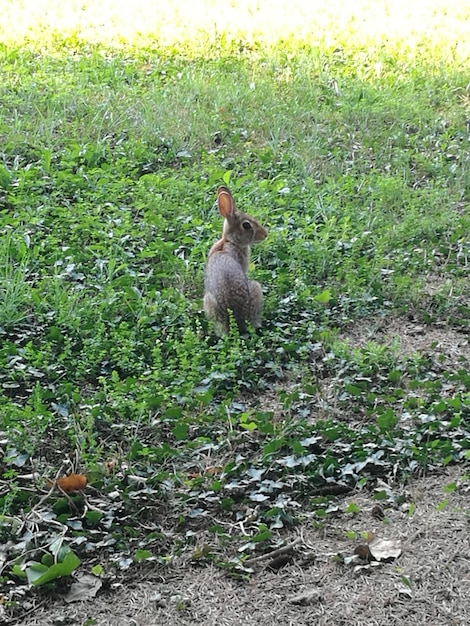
{"points": [[72, 482], [359, 569], [377, 512], [280, 561], [86, 587], [385, 549], [307, 597], [363, 552], [375, 551], [214, 470]]}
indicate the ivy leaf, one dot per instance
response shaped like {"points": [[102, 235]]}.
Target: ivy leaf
{"points": [[39, 574], [142, 555], [353, 390], [324, 297], [180, 431]]}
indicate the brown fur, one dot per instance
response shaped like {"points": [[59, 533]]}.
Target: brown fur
{"points": [[226, 285]]}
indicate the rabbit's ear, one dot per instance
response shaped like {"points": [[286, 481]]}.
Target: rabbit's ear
{"points": [[225, 202]]}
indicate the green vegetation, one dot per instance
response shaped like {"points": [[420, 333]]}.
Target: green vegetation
{"points": [[353, 151]]}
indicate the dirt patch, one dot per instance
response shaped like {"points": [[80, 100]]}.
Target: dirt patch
{"points": [[428, 583], [447, 344], [447, 349]]}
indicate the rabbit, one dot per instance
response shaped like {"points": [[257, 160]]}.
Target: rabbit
{"points": [[226, 284]]}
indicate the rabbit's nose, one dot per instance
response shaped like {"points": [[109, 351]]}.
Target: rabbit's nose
{"points": [[261, 234]]}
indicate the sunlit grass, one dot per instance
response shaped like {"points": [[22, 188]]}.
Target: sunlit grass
{"points": [[420, 26]]}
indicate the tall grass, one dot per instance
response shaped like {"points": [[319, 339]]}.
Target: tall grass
{"points": [[15, 285]]}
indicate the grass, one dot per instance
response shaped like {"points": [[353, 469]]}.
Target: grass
{"points": [[349, 141]]}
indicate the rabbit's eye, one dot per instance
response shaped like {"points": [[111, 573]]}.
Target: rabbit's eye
{"points": [[246, 225]]}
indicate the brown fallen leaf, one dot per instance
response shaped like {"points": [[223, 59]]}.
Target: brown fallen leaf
{"points": [[72, 482], [280, 561], [213, 470], [370, 536], [363, 552], [377, 512]]}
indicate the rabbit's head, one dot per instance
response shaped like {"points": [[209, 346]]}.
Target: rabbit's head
{"points": [[239, 228]]}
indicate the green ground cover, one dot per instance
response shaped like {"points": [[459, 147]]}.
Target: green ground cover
{"points": [[352, 146]]}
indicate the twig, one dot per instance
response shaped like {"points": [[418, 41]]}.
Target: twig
{"points": [[273, 554], [14, 620], [89, 505], [43, 499]]}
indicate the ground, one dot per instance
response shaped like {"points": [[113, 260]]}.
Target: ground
{"points": [[316, 583], [428, 583]]}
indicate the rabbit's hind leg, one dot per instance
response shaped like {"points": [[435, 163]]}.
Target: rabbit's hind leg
{"points": [[217, 314]]}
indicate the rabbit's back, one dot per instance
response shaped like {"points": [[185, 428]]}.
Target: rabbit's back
{"points": [[226, 286]]}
